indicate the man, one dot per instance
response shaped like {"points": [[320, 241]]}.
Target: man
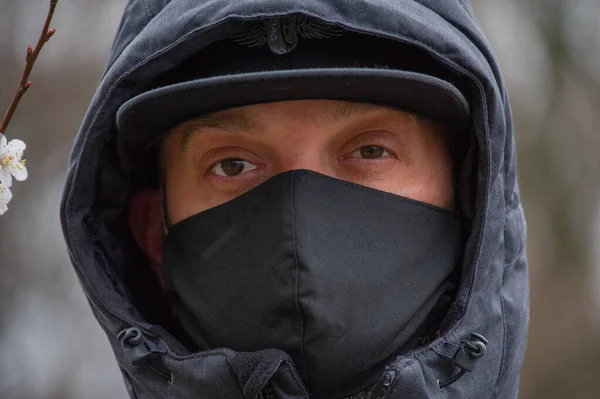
{"points": [[277, 199]]}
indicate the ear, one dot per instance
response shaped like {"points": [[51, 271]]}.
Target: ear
{"points": [[146, 224]]}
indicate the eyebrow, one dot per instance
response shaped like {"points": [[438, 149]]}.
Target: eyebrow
{"points": [[347, 110], [230, 120], [235, 121]]}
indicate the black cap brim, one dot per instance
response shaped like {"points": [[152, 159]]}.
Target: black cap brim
{"points": [[157, 111]]}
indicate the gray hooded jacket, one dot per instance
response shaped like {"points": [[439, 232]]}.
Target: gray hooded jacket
{"points": [[156, 35]]}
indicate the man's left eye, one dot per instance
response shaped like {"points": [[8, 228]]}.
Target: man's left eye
{"points": [[370, 152], [232, 167]]}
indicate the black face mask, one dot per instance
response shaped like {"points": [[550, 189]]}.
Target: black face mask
{"points": [[339, 276]]}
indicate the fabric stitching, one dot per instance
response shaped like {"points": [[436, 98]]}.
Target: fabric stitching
{"points": [[482, 221], [503, 312], [504, 345], [502, 373], [147, 10], [303, 326], [267, 371]]}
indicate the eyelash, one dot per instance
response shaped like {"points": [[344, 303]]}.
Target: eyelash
{"points": [[222, 174], [359, 150], [215, 166]]}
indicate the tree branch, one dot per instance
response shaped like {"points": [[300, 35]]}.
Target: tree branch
{"points": [[32, 54]]}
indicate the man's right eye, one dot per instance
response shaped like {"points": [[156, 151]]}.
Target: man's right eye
{"points": [[232, 167], [370, 152]]}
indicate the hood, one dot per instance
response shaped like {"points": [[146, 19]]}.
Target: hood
{"points": [[492, 300]]}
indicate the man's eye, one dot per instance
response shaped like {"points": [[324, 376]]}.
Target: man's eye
{"points": [[370, 152], [232, 167]]}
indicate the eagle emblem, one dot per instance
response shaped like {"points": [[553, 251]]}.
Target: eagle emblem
{"points": [[282, 33]]}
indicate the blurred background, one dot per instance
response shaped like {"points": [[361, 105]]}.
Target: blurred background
{"points": [[50, 345]]}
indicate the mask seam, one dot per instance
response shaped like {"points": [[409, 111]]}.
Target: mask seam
{"points": [[293, 195]]}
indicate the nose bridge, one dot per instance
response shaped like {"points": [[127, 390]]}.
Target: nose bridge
{"points": [[304, 153]]}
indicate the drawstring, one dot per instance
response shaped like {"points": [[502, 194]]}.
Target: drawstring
{"points": [[384, 384], [137, 349], [467, 356], [464, 357]]}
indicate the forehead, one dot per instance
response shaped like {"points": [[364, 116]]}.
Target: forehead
{"points": [[256, 118]]}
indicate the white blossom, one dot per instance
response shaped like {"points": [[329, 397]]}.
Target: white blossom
{"points": [[5, 197], [11, 163]]}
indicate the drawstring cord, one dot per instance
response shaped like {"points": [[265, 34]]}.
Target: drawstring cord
{"points": [[137, 349], [467, 356], [139, 353]]}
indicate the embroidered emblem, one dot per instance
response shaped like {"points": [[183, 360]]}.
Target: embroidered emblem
{"points": [[282, 34]]}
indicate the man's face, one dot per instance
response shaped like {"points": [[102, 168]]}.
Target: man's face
{"points": [[212, 160]]}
